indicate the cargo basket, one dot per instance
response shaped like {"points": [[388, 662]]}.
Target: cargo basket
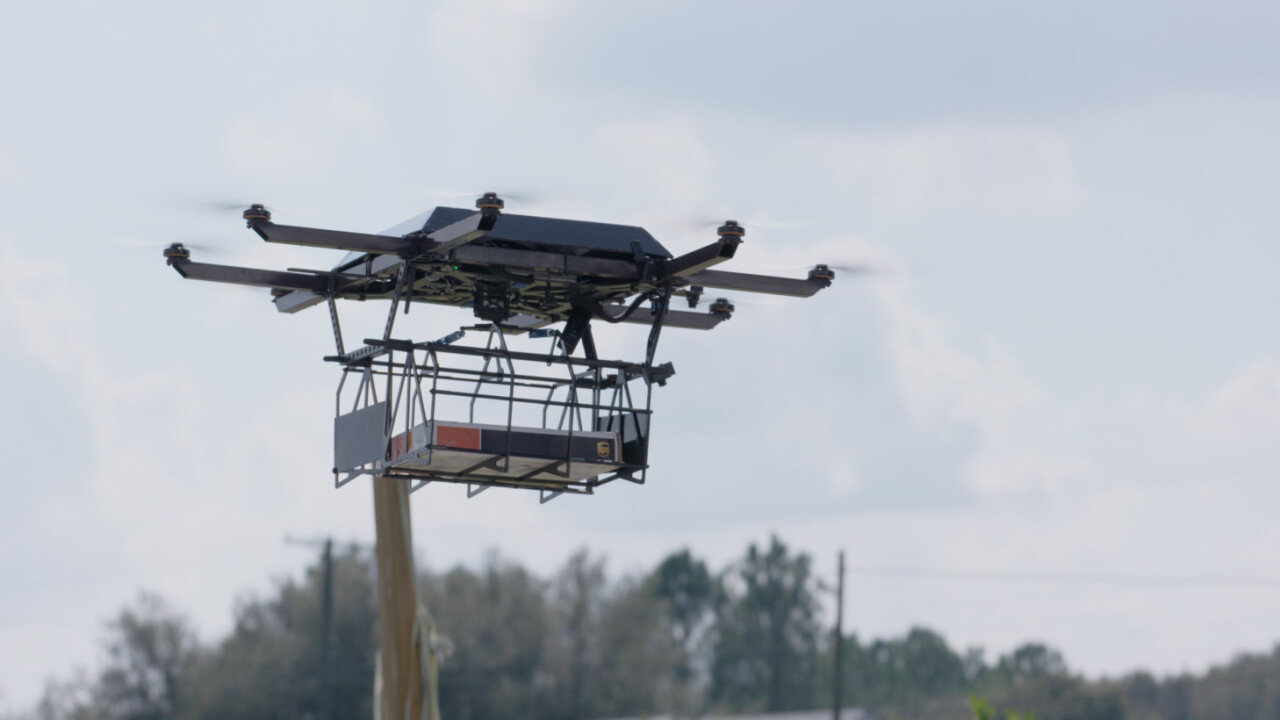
{"points": [[487, 416]]}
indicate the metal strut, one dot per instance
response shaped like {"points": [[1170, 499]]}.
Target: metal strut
{"points": [[333, 318], [661, 305], [395, 300]]}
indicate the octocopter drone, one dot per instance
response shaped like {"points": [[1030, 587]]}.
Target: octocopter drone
{"points": [[518, 274]]}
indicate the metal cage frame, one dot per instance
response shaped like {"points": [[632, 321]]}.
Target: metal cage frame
{"points": [[575, 395]]}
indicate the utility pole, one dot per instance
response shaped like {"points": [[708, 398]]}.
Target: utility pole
{"points": [[837, 683], [324, 704], [326, 635]]}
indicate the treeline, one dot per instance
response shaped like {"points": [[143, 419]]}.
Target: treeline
{"points": [[679, 640]]}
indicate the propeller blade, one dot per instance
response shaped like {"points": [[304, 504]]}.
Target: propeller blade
{"points": [[852, 268], [201, 247], [707, 223], [224, 206], [519, 196], [220, 206]]}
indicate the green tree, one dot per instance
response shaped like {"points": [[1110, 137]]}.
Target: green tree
{"points": [[270, 665], [1035, 678], [1063, 697], [71, 699], [1146, 698], [983, 710], [1028, 663], [578, 593], [637, 673], [575, 647], [149, 650], [905, 675], [686, 589], [1247, 687], [498, 622], [766, 632]]}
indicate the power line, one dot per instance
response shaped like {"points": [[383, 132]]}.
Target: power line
{"points": [[1202, 581]]}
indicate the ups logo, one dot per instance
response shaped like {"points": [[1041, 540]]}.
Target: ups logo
{"points": [[604, 449]]}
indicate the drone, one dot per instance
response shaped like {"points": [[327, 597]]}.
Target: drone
{"points": [[519, 271], [514, 421]]}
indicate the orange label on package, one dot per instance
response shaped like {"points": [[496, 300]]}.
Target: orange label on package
{"points": [[463, 438]]}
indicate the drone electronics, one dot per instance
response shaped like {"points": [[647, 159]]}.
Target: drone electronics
{"points": [[554, 421]]}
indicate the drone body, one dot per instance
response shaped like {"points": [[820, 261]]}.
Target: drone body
{"points": [[520, 271]]}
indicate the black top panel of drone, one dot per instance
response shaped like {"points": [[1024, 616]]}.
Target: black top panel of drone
{"points": [[566, 235]]}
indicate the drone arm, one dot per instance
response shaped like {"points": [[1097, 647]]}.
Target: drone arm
{"points": [[756, 283], [274, 279], [704, 257], [674, 318], [337, 239], [295, 300], [468, 229]]}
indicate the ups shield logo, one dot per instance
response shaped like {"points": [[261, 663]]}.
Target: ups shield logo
{"points": [[604, 448]]}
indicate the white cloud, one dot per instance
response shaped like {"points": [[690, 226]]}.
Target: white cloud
{"points": [[302, 134], [492, 43], [54, 323], [350, 110], [999, 169], [164, 484], [843, 477], [662, 160], [1022, 435], [50, 318], [255, 144], [8, 169], [1244, 411]]}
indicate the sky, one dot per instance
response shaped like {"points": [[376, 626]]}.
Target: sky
{"points": [[1065, 365]]}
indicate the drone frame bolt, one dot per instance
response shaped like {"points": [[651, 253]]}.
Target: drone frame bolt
{"points": [[693, 295]]}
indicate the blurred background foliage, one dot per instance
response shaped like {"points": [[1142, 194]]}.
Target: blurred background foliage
{"points": [[679, 640]]}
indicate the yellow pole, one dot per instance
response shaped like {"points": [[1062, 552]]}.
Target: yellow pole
{"points": [[406, 656]]}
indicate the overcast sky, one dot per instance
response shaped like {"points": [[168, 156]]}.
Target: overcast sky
{"points": [[1069, 363]]}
